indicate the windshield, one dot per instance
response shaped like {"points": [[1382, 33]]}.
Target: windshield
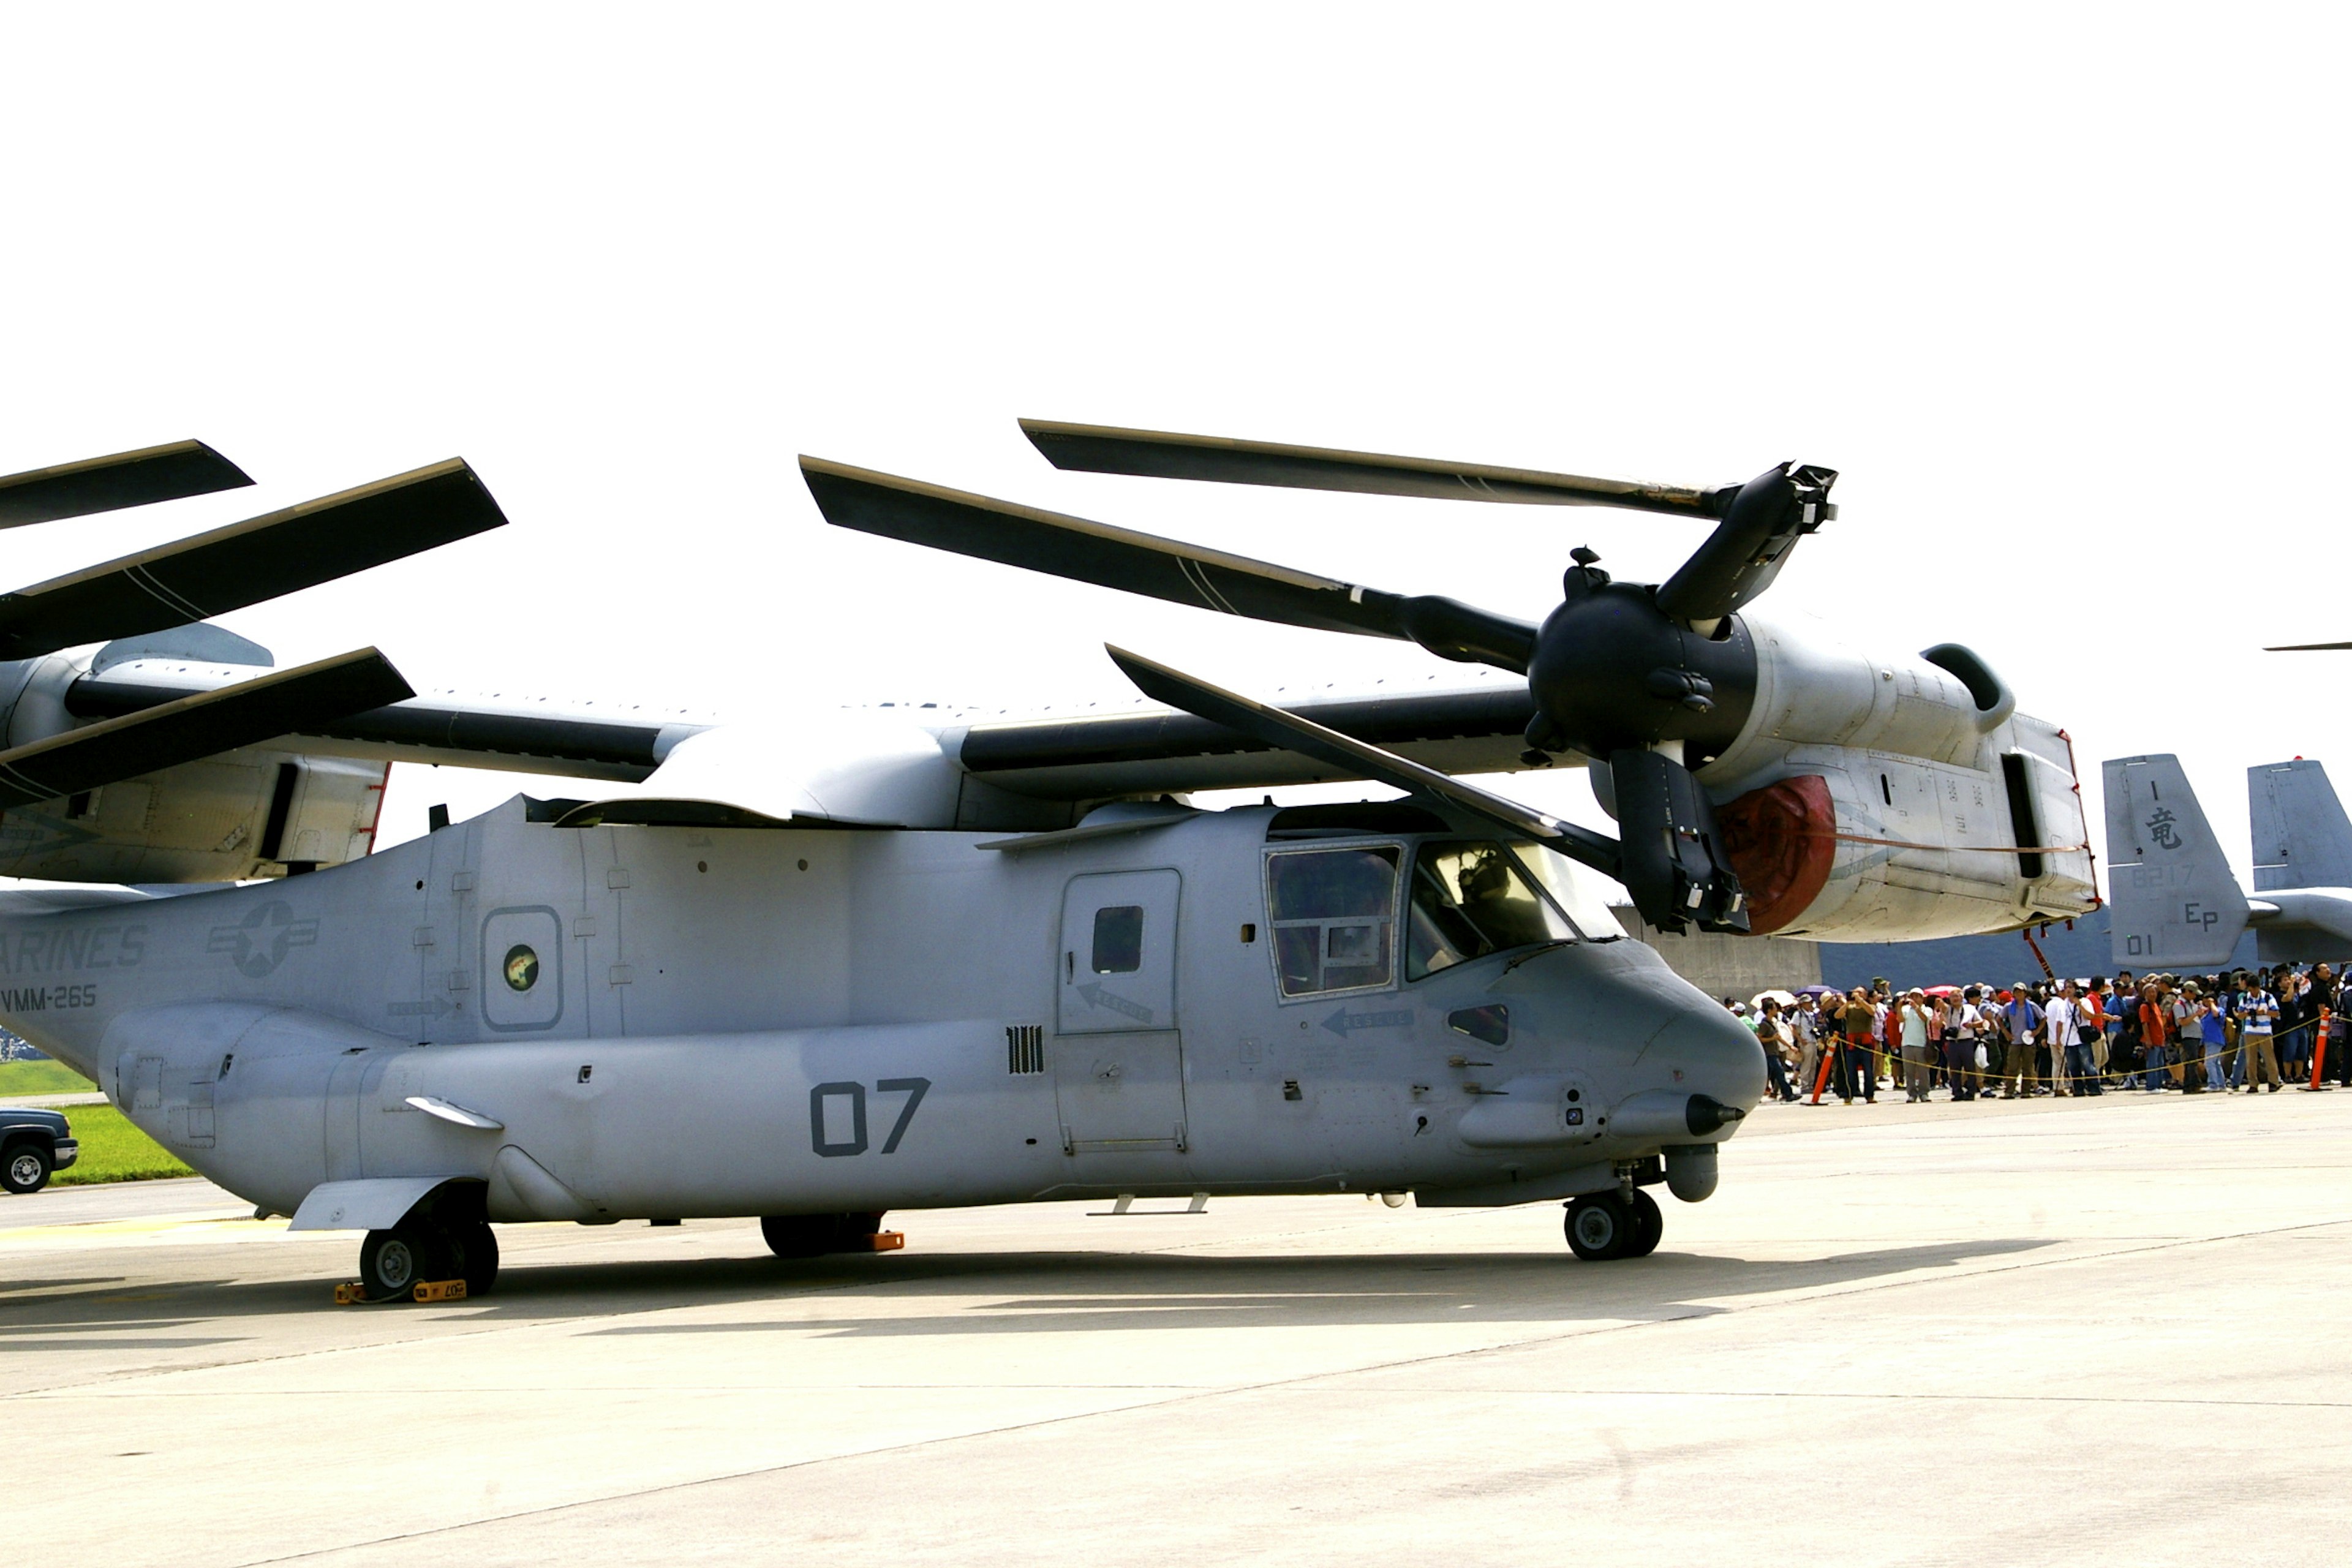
{"points": [[1472, 897], [1580, 893]]}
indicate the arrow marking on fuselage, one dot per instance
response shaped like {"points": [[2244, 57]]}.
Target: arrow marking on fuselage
{"points": [[1098, 997], [1344, 1023]]}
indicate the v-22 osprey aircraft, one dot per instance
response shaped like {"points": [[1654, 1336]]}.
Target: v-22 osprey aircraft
{"points": [[818, 974]]}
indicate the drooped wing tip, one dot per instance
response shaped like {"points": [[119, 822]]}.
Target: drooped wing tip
{"points": [[2311, 647]]}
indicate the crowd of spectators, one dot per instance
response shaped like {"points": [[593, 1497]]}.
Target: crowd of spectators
{"points": [[2247, 1030]]}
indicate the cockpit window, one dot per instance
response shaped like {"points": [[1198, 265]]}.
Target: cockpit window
{"points": [[1334, 917], [1472, 897]]}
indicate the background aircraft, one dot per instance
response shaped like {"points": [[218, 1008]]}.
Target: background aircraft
{"points": [[2176, 901]]}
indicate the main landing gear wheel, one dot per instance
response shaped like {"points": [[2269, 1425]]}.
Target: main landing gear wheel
{"points": [[26, 1169], [816, 1235], [1649, 1226], [393, 1261], [472, 1250], [1601, 1227]]}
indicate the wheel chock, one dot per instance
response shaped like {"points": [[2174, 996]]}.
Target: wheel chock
{"points": [[352, 1295], [888, 1240], [440, 1290]]}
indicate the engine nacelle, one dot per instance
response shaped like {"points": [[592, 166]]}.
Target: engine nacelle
{"points": [[1869, 799], [233, 817]]}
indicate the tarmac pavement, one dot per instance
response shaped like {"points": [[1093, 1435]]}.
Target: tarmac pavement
{"points": [[2023, 1331]]}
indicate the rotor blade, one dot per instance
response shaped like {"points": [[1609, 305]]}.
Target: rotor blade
{"points": [[193, 728], [245, 563], [109, 484], [1120, 558], [2310, 647], [1738, 561], [1289, 730], [1161, 454]]}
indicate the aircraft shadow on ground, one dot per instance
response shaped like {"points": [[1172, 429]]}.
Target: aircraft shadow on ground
{"points": [[1039, 1291], [1062, 1292]]}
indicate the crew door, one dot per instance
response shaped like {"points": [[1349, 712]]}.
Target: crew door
{"points": [[1118, 1059]]}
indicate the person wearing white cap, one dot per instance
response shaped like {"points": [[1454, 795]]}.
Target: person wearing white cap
{"points": [[2059, 1027], [1911, 1025]]}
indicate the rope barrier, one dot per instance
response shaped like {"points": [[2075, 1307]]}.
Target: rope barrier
{"points": [[1952, 848]]}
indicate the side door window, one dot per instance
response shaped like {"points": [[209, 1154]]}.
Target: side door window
{"points": [[1118, 957], [1333, 914]]}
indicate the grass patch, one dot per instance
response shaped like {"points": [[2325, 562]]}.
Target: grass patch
{"points": [[113, 1149], [42, 1078]]}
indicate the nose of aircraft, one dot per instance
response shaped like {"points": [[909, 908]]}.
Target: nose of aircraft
{"points": [[1705, 1050]]}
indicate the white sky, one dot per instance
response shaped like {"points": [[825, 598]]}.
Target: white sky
{"points": [[2057, 290]]}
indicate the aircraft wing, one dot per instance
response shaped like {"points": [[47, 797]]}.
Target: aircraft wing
{"points": [[614, 741], [1474, 728]]}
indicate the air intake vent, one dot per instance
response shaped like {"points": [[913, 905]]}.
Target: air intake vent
{"points": [[1024, 1047]]}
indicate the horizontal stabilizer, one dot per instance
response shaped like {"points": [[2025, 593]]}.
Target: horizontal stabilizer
{"points": [[1276, 728], [1161, 454], [193, 728], [143, 477], [2176, 901], [247, 563]]}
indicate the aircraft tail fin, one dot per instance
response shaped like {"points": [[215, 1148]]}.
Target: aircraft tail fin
{"points": [[2302, 837], [2176, 901]]}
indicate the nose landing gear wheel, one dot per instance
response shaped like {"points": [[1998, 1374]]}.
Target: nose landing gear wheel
{"points": [[1601, 1227]]}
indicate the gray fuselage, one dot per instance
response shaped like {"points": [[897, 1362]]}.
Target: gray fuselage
{"points": [[664, 1022]]}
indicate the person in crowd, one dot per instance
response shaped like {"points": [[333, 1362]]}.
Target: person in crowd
{"points": [[2257, 1023], [2233, 1006], [2058, 1016], [2021, 1021], [2338, 1064], [1858, 1059], [1881, 1033], [2091, 1039], [1771, 1034], [2298, 1015], [1809, 1046], [2188, 1007], [1962, 1025], [2123, 1047], [1913, 1015], [1939, 1018], [2212, 1026], [2154, 1029]]}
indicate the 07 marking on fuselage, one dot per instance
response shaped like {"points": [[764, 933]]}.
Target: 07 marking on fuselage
{"points": [[1344, 1023], [1109, 1002], [914, 1088]]}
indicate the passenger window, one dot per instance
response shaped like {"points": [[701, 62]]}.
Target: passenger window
{"points": [[1118, 939], [1333, 913], [1470, 897]]}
